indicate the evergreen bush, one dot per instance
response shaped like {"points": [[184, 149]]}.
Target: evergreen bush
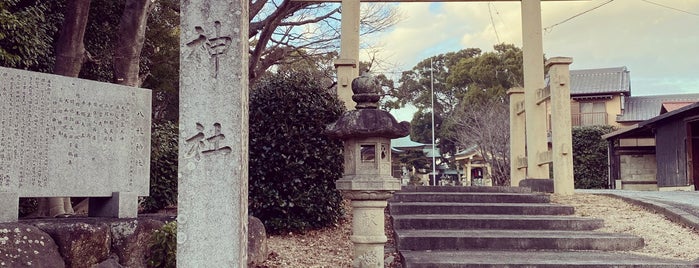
{"points": [[293, 165], [163, 247], [163, 167], [590, 161], [27, 205]]}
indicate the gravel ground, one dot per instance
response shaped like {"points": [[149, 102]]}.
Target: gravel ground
{"points": [[663, 238], [331, 247]]}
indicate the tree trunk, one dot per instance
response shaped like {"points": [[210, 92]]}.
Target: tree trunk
{"points": [[132, 31], [70, 50]]}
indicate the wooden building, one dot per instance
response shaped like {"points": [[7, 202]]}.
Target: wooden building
{"points": [[661, 153]]}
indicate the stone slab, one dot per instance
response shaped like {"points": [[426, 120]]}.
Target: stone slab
{"points": [[119, 205], [538, 185], [407, 208], [470, 197], [488, 189], [64, 136], [9, 201], [552, 259], [515, 240], [496, 222]]}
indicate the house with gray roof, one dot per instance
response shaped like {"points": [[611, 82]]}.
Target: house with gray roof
{"points": [[603, 96], [653, 148], [598, 95], [658, 135], [602, 82], [640, 108]]}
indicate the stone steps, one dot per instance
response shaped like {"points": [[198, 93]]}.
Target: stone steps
{"points": [[514, 240], [404, 208], [504, 227], [501, 222], [467, 189], [468, 197], [542, 259]]}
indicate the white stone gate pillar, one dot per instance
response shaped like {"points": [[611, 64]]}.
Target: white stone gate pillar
{"points": [[348, 64], [561, 128], [533, 59], [517, 135]]}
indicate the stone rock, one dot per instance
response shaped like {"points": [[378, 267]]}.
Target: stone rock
{"points": [[131, 240], [110, 263], [23, 245], [389, 260], [538, 185], [82, 244], [257, 242]]}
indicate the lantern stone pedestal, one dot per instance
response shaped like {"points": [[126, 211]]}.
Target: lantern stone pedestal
{"points": [[367, 180]]}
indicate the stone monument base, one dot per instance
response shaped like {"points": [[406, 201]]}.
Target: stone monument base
{"points": [[538, 185], [89, 242], [79, 241]]}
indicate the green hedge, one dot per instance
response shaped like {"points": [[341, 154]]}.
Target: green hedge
{"points": [[590, 161], [163, 247], [293, 165], [163, 167]]}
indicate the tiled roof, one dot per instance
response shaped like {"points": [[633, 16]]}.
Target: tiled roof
{"points": [[600, 81], [642, 108], [674, 105], [473, 149], [405, 144]]}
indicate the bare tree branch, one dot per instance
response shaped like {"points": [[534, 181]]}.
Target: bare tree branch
{"points": [[280, 28], [314, 20], [486, 125]]}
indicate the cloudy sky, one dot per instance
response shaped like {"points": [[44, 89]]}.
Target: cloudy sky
{"points": [[659, 45]]}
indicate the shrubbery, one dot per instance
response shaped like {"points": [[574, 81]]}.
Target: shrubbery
{"points": [[163, 167], [590, 165], [293, 165], [27, 205], [163, 247]]}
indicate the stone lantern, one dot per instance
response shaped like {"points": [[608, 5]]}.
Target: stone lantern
{"points": [[367, 180]]}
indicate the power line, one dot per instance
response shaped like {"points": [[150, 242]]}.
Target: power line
{"points": [[548, 29], [490, 11], [497, 12], [669, 7]]}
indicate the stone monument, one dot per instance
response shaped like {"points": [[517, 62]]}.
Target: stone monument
{"points": [[367, 180], [62, 136], [213, 145]]}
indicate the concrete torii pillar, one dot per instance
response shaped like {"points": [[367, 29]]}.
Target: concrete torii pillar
{"points": [[348, 64], [533, 67]]}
